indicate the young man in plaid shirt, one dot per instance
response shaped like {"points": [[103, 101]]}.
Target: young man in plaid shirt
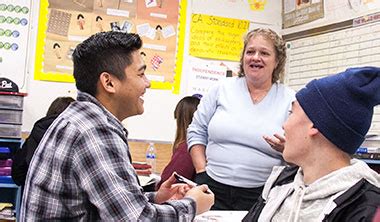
{"points": [[82, 169]]}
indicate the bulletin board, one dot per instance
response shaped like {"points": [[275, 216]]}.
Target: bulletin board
{"points": [[332, 49], [297, 12], [64, 24], [15, 20]]}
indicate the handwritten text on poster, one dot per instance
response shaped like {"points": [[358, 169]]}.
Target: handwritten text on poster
{"points": [[217, 37]]}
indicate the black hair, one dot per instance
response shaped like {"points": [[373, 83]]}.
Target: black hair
{"points": [[158, 26], [59, 105], [56, 45], [98, 18], [103, 52]]}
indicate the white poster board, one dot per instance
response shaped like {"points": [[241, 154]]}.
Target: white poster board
{"points": [[15, 23], [203, 75]]}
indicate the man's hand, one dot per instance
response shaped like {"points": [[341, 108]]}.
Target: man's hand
{"points": [[171, 191], [203, 199]]}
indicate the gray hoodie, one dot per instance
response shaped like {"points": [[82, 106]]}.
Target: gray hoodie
{"points": [[299, 202]]}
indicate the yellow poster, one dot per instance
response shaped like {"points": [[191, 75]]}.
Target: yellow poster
{"points": [[64, 24], [216, 37]]}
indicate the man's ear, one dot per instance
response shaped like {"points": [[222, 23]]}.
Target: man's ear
{"points": [[313, 131], [107, 82]]}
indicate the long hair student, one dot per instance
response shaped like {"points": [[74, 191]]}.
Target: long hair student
{"points": [[181, 160]]}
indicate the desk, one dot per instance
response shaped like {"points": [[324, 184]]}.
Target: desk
{"points": [[220, 216]]}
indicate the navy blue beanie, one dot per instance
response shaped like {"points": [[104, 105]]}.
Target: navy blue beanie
{"points": [[341, 106]]}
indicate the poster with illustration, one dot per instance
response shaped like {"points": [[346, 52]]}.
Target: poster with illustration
{"points": [[297, 12], [64, 24]]}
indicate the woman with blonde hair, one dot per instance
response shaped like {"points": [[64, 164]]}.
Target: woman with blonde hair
{"points": [[225, 138]]}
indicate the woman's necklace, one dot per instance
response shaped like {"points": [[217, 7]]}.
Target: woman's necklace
{"points": [[259, 96], [257, 99]]}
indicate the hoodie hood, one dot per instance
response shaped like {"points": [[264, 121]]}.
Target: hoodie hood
{"points": [[337, 181], [42, 125]]}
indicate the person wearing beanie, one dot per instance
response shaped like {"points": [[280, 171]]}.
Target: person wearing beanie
{"points": [[329, 121]]}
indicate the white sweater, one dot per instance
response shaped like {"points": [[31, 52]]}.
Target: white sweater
{"points": [[232, 127]]}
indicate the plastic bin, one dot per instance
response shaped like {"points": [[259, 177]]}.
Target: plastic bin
{"points": [[6, 163], [6, 179], [11, 100], [5, 171], [10, 130], [11, 116], [5, 153]]}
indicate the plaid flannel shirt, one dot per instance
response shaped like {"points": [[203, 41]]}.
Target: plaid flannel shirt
{"points": [[82, 171]]}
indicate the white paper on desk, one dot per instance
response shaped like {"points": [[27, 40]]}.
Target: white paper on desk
{"points": [[147, 180], [221, 216]]}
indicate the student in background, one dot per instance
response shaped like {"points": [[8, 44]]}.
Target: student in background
{"points": [[328, 123], [84, 171], [181, 160], [23, 156], [225, 137]]}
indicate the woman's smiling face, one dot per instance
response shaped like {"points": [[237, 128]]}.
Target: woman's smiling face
{"points": [[259, 59]]}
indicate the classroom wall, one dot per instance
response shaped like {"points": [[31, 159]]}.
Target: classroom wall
{"points": [[157, 122], [316, 49], [337, 11]]}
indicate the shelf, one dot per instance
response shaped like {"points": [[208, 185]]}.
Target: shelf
{"points": [[10, 140], [6, 181], [8, 185], [10, 192], [12, 144]]}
